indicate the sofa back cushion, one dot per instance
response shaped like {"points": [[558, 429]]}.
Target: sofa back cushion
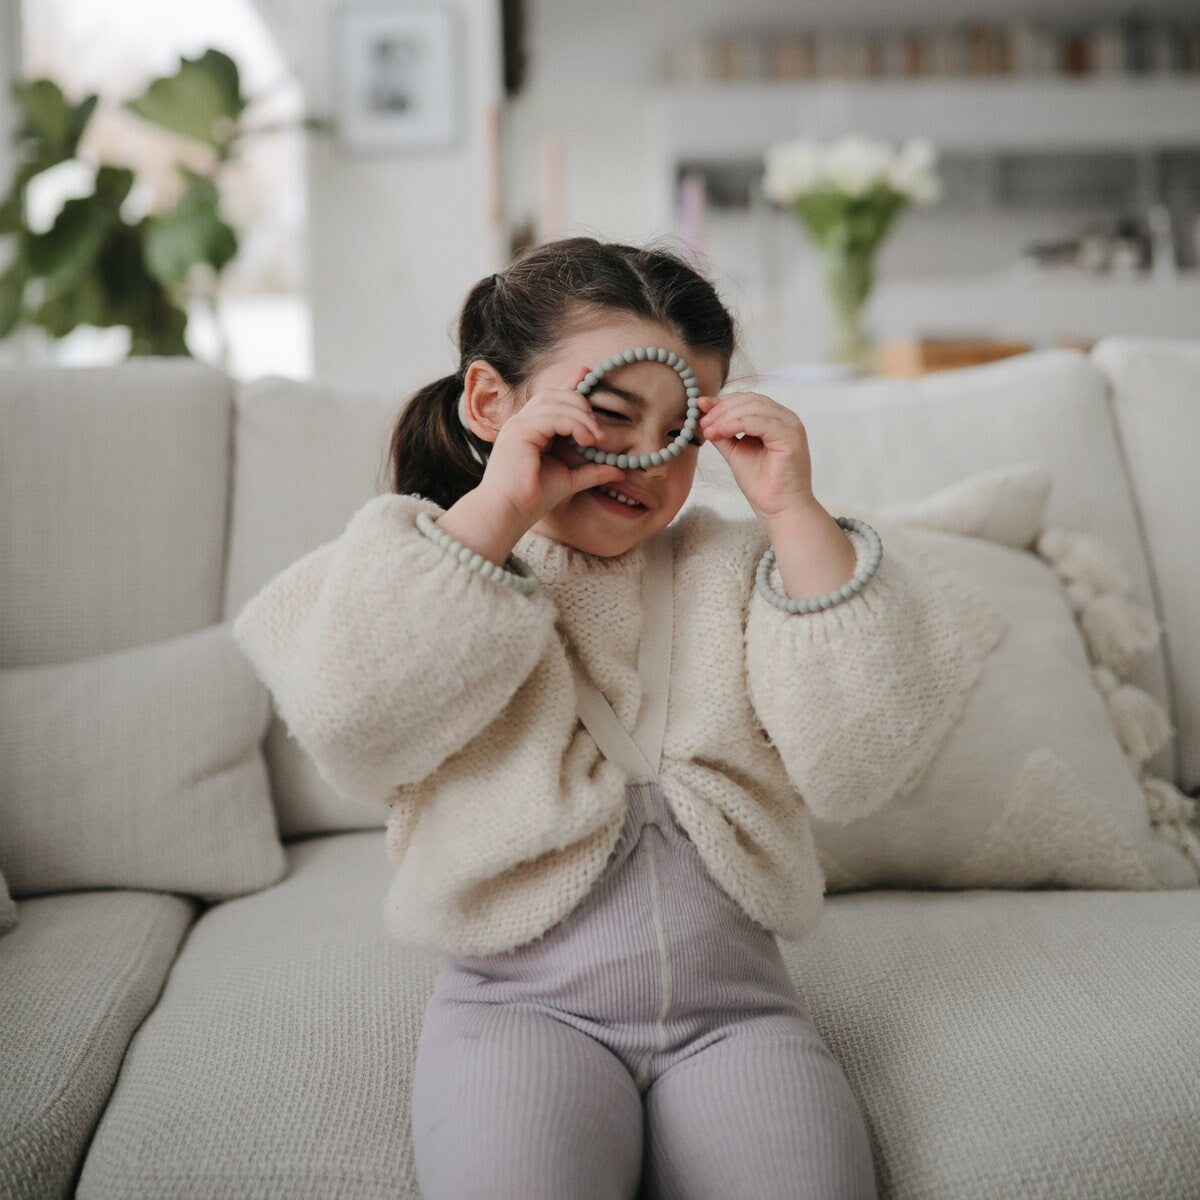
{"points": [[1156, 401], [113, 490], [308, 456], [886, 441]]}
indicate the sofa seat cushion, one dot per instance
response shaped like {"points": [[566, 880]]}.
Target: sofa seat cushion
{"points": [[1002, 1043], [1038, 1043], [278, 1060], [78, 974]]}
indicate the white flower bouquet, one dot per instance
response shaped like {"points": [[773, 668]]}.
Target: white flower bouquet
{"points": [[848, 194]]}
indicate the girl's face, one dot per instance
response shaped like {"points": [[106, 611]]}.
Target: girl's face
{"points": [[587, 521]]}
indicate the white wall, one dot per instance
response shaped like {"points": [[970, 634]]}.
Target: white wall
{"points": [[395, 240]]}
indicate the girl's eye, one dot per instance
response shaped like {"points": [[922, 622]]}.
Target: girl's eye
{"points": [[621, 416]]}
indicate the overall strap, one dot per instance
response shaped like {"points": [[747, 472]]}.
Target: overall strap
{"points": [[640, 755]]}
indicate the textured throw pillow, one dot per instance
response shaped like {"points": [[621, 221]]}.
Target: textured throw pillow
{"points": [[1041, 782], [8, 908], [138, 769]]}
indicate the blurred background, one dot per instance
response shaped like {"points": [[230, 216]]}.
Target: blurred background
{"points": [[308, 188]]}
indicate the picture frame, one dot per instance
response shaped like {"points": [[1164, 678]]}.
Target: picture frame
{"points": [[397, 77]]}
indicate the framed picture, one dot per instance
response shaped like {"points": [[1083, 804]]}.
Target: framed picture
{"points": [[396, 78]]}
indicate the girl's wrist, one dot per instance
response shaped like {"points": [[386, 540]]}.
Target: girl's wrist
{"points": [[477, 522], [813, 552]]}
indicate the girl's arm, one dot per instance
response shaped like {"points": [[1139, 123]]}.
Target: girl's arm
{"points": [[858, 698], [385, 653]]}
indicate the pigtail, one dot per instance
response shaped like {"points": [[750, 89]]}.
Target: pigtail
{"points": [[433, 454]]}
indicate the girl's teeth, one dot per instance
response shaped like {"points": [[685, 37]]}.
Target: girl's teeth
{"points": [[613, 495]]}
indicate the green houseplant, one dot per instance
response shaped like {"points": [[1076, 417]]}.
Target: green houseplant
{"points": [[95, 267], [848, 194]]}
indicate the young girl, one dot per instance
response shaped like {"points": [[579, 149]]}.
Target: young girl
{"points": [[600, 733]]}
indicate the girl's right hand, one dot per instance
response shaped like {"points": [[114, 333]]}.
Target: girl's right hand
{"points": [[525, 472]]}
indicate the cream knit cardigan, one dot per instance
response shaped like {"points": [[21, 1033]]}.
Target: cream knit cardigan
{"points": [[415, 681]]}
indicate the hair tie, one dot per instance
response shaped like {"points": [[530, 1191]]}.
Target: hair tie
{"points": [[496, 280]]}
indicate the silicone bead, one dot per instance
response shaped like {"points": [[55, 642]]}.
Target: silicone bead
{"points": [[672, 448], [862, 575]]}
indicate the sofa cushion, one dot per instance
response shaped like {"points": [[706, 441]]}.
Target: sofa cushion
{"points": [[1013, 1044], [1156, 401], [1040, 782], [295, 1019], [113, 490], [141, 768], [78, 975], [309, 455], [1001, 1043], [887, 441]]}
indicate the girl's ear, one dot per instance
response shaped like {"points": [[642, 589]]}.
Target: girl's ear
{"points": [[487, 400]]}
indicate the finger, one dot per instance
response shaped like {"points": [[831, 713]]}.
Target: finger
{"points": [[743, 403], [724, 405], [707, 403], [752, 422], [591, 474], [569, 416]]}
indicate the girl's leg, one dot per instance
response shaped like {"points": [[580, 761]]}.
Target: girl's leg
{"points": [[509, 1103], [759, 1117]]}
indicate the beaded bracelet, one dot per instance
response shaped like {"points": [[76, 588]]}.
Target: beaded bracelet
{"points": [[861, 577], [517, 576]]}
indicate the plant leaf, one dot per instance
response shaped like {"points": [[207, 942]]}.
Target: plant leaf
{"points": [[202, 100], [191, 232], [67, 249], [49, 121]]}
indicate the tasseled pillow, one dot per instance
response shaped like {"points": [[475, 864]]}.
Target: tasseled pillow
{"points": [[1043, 781]]}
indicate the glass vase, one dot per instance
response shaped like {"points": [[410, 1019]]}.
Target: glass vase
{"points": [[848, 275]]}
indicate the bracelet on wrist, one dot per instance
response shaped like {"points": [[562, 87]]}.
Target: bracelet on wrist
{"points": [[515, 573], [862, 574]]}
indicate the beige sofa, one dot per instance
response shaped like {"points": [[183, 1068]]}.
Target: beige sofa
{"points": [[198, 999]]}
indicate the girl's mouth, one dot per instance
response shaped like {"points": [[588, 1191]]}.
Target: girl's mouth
{"points": [[619, 507]]}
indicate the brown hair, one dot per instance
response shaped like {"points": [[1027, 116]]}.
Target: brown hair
{"points": [[514, 320]]}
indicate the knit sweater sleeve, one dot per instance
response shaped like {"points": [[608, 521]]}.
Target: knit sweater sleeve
{"points": [[857, 698], [385, 653]]}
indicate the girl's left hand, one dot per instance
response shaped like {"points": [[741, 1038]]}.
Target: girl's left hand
{"points": [[771, 463]]}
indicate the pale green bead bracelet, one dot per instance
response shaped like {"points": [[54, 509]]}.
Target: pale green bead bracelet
{"points": [[518, 577], [690, 424], [813, 604]]}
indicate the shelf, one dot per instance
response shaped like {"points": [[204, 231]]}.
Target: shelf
{"points": [[1013, 144], [721, 119]]}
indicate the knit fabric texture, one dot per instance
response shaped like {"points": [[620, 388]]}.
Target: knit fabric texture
{"points": [[416, 682]]}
